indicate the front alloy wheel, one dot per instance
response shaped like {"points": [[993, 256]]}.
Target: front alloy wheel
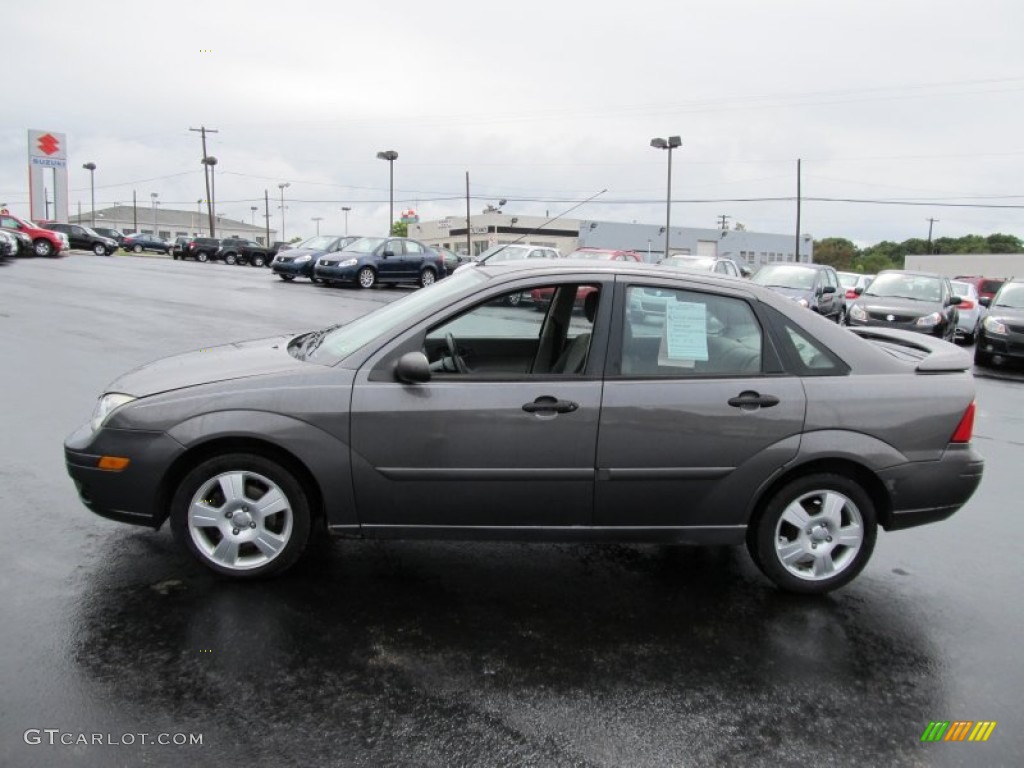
{"points": [[258, 261], [231, 259], [367, 277], [42, 248], [815, 535], [202, 256], [99, 249], [241, 515]]}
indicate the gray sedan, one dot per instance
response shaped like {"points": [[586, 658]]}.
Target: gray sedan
{"points": [[735, 417]]}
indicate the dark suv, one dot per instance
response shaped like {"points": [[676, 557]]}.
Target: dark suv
{"points": [[201, 248], [114, 234], [85, 239], [239, 250]]}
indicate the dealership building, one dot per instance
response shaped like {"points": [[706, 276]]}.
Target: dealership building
{"points": [[751, 249], [168, 223]]}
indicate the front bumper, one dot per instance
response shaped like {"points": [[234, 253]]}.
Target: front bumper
{"points": [[132, 495], [336, 273], [1009, 345], [305, 269], [928, 491]]}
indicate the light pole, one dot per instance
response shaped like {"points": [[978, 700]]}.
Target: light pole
{"points": [[253, 208], [91, 168], [670, 143], [211, 163], [154, 196], [390, 155], [346, 209], [282, 187], [199, 214], [317, 219]]}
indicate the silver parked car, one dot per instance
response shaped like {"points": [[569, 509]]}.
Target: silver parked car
{"points": [[969, 311], [733, 417]]}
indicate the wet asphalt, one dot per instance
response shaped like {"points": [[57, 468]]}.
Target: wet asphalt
{"points": [[456, 654]]}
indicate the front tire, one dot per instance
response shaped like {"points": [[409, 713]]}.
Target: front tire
{"points": [[42, 248], [231, 259], [202, 256], [982, 359], [99, 249], [287, 278], [815, 535], [514, 299], [258, 261], [241, 515], [367, 277]]}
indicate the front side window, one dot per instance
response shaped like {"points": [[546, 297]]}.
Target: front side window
{"points": [[677, 333]]}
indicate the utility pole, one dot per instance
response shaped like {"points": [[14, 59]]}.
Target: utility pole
{"points": [[135, 212], [469, 236], [798, 201], [317, 219], [206, 173], [723, 222], [266, 213], [930, 222]]}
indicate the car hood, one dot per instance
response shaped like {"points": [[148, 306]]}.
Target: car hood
{"points": [[898, 306], [791, 293], [206, 366], [294, 253], [1007, 313]]}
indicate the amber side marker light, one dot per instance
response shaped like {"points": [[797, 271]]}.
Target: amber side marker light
{"points": [[965, 428], [113, 463]]}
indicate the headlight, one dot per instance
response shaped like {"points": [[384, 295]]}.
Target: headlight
{"points": [[303, 259], [348, 263], [802, 302], [992, 325], [106, 406], [857, 313], [929, 321]]}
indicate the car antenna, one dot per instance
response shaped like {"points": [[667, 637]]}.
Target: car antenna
{"points": [[539, 227]]}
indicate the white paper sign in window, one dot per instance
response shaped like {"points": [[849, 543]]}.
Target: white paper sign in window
{"points": [[684, 340]]}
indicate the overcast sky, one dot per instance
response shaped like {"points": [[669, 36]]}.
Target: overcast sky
{"points": [[543, 103]]}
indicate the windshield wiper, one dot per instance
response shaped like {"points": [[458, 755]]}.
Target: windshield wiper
{"points": [[315, 339]]}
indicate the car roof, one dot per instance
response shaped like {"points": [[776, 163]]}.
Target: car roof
{"points": [[913, 272]]}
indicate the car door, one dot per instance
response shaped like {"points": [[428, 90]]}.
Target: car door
{"points": [[828, 301], [508, 444], [412, 260], [389, 257], [696, 412]]}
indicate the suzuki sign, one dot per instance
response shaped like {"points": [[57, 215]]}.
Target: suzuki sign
{"points": [[48, 170]]}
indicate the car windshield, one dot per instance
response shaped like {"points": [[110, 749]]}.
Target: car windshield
{"points": [[786, 276], [897, 285], [848, 279], [365, 244], [90, 231], [693, 262], [1011, 296], [317, 243], [340, 342], [593, 255], [504, 253], [961, 289]]}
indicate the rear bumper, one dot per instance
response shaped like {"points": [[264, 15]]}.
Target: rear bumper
{"points": [[928, 491]]}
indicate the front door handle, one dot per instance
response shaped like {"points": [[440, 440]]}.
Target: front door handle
{"points": [[751, 400], [548, 404]]}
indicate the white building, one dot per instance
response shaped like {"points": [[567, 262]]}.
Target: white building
{"points": [[168, 223], [978, 264]]}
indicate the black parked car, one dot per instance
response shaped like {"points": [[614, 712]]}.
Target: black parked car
{"points": [[201, 248], [85, 239], [239, 250], [912, 301], [24, 242], [372, 260], [815, 286], [1001, 334], [114, 234], [300, 260], [139, 242]]}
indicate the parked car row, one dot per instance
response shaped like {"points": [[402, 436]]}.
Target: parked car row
{"points": [[361, 261]]}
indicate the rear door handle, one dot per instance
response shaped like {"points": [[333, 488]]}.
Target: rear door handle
{"points": [[751, 400], [548, 404]]}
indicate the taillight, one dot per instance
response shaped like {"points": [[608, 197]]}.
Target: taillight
{"points": [[851, 294], [964, 430], [966, 304]]}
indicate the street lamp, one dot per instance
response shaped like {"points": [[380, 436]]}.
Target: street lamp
{"points": [[670, 143], [154, 196], [211, 163], [282, 186], [91, 168], [390, 155], [317, 219], [346, 209]]}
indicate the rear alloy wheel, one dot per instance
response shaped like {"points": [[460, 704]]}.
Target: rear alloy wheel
{"points": [[816, 534], [241, 515], [427, 277], [42, 248], [367, 277], [201, 256], [287, 278], [258, 261], [137, 248], [231, 259]]}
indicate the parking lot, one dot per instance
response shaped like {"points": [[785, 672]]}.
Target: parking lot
{"points": [[416, 653]]}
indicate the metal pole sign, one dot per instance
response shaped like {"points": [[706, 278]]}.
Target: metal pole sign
{"points": [[47, 150]]}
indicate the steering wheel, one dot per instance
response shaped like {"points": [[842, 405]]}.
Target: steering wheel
{"points": [[453, 352]]}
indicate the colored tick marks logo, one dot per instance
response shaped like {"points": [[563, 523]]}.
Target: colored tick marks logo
{"points": [[206, 50], [206, 650], [958, 730], [48, 144]]}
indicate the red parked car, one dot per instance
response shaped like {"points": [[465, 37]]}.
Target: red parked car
{"points": [[542, 296], [987, 286], [45, 242]]}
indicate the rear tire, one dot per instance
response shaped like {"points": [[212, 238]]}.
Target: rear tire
{"points": [[287, 278], [258, 261], [427, 277], [137, 248], [815, 535], [241, 515], [231, 259], [201, 256]]}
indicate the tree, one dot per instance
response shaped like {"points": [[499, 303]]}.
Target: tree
{"points": [[999, 243], [400, 229], [836, 251]]}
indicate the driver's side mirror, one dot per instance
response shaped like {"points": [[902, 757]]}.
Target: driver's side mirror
{"points": [[859, 290], [413, 368], [828, 289], [985, 301], [953, 300], [387, 252]]}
